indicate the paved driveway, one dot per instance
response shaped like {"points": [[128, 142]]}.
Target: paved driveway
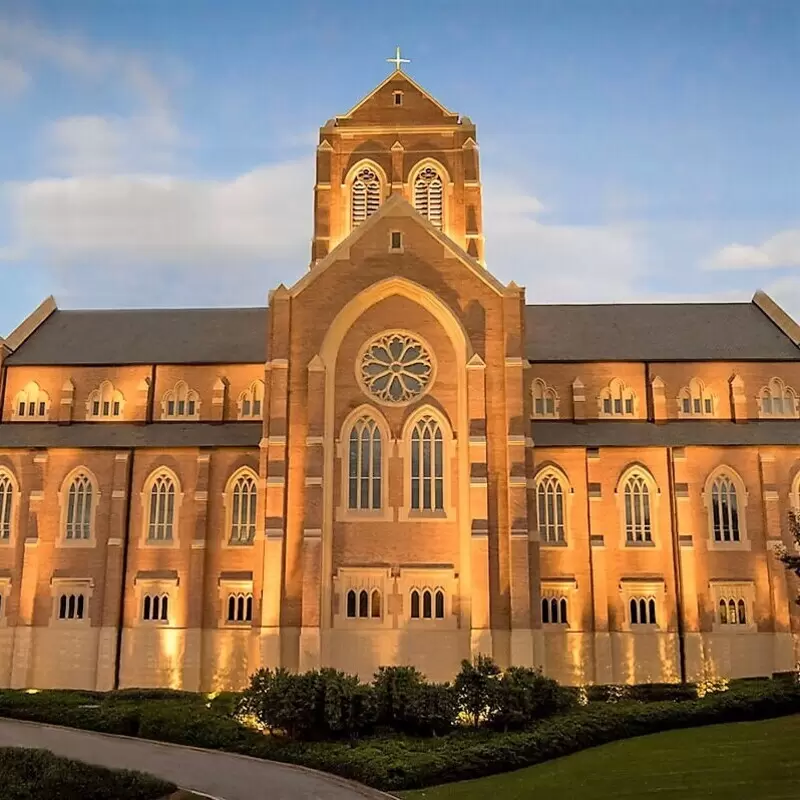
{"points": [[222, 775]]}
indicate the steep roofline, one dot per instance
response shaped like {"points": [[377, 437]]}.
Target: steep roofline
{"points": [[383, 83], [396, 203], [777, 316], [31, 323]]}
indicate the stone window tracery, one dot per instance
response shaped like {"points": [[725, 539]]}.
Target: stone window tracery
{"points": [[32, 402], [180, 402], [617, 400], [550, 505], [155, 607], [696, 400], [545, 399], [80, 507], [243, 499], [427, 604], [365, 195], [725, 510], [105, 402], [642, 611], [395, 368], [251, 401], [161, 511], [240, 607], [6, 506], [554, 611], [777, 400], [427, 465], [365, 460], [637, 508], [429, 195]]}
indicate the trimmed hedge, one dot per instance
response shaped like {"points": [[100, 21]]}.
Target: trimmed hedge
{"points": [[34, 774], [397, 761]]}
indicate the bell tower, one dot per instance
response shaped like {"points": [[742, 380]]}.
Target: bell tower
{"points": [[398, 140]]}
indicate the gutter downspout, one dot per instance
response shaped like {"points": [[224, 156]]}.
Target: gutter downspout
{"points": [[124, 569], [676, 554]]}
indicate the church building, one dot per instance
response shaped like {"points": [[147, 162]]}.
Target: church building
{"points": [[399, 460]]}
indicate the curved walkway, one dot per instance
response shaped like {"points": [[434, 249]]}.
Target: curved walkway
{"points": [[224, 776]]}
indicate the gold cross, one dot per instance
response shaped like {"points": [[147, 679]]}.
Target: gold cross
{"points": [[397, 61]]}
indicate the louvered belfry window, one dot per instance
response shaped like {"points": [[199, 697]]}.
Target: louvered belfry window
{"points": [[428, 190], [366, 195]]}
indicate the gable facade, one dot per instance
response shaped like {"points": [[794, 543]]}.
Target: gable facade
{"points": [[397, 461]]}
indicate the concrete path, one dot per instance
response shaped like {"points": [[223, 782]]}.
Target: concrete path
{"points": [[223, 776]]}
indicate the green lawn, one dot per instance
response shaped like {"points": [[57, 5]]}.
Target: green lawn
{"points": [[740, 761]]}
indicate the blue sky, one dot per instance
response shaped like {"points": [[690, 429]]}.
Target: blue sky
{"points": [[162, 153]]}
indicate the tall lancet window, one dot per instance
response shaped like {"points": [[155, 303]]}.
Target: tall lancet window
{"points": [[365, 195], [78, 523], [427, 466], [364, 487], [428, 195]]}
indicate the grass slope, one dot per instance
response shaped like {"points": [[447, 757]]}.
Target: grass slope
{"points": [[738, 761]]}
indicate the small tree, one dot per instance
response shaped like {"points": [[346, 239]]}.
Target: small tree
{"points": [[476, 688], [792, 560]]}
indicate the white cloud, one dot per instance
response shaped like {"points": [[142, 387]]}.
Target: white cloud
{"points": [[786, 293], [88, 144], [558, 263], [13, 78], [780, 250], [191, 235]]}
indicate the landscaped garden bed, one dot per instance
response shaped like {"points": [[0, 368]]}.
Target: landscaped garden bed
{"points": [[401, 732], [40, 775]]}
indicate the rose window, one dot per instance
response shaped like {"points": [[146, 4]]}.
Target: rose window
{"points": [[396, 368]]}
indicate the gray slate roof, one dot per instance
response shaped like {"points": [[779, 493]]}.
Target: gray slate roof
{"points": [[122, 435], [678, 433], [655, 332], [151, 336]]}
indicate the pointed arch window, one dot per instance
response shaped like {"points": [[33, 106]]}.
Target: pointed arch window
{"points": [[105, 402], [696, 400], [427, 465], [240, 607], [243, 499], [725, 510], [6, 506], [364, 465], [427, 604], [155, 608], [554, 611], [642, 611], [251, 401], [550, 504], [161, 513], [32, 403], [365, 195], [777, 400], [180, 402], [429, 195], [80, 509], [637, 508], [545, 400], [617, 400]]}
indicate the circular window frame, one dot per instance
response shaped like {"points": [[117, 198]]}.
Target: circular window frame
{"points": [[374, 340]]}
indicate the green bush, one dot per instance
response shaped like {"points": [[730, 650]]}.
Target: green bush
{"points": [[523, 695], [36, 774], [395, 690], [319, 704], [432, 710], [476, 688]]}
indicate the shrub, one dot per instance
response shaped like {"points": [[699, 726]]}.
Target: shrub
{"points": [[432, 709], [396, 689], [312, 705], [33, 774], [476, 688], [523, 695]]}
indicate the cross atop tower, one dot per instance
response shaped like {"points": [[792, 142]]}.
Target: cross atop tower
{"points": [[397, 61]]}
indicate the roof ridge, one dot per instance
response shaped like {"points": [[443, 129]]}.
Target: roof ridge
{"points": [[157, 309]]}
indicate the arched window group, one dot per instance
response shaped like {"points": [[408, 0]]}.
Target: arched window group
{"points": [[155, 607], [365, 195], [725, 509], [32, 402], [550, 508], [363, 604], [161, 517], [251, 401], [429, 195], [6, 505], [642, 611], [79, 511], [617, 400], [545, 399], [637, 508], [364, 465], [72, 606], [554, 611], [732, 612], [180, 402], [240, 608], [777, 399], [427, 604], [244, 500], [696, 400], [427, 465], [104, 402]]}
